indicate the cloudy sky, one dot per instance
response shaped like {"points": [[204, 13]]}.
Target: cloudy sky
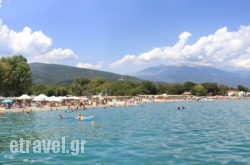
{"points": [[126, 36]]}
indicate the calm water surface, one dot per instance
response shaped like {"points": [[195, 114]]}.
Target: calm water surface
{"points": [[213, 132]]}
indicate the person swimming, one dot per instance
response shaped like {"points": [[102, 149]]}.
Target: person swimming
{"points": [[60, 116], [80, 117]]}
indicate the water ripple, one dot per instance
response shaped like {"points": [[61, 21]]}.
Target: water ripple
{"points": [[216, 132]]}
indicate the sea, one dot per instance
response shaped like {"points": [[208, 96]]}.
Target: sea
{"points": [[202, 132]]}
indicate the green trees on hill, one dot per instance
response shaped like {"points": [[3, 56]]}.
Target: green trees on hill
{"points": [[16, 79], [87, 87], [15, 76]]}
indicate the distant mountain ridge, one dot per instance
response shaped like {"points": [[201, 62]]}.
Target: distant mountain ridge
{"points": [[54, 74], [198, 74]]}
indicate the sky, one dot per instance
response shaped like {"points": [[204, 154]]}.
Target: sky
{"points": [[127, 36]]}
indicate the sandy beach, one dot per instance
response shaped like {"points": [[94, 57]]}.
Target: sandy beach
{"points": [[126, 102], [61, 107], [45, 108]]}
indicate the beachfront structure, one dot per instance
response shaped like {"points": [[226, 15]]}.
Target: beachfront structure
{"points": [[233, 93]]}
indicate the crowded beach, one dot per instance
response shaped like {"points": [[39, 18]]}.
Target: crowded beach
{"points": [[42, 102]]}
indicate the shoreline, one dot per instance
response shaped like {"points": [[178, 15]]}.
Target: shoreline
{"points": [[108, 105], [61, 107]]}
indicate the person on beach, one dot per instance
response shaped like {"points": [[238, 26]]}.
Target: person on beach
{"points": [[80, 117]]}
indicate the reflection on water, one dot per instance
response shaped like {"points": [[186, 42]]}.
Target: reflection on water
{"points": [[214, 132]]}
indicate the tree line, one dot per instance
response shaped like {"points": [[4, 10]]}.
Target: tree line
{"points": [[16, 79], [87, 87], [15, 76]]}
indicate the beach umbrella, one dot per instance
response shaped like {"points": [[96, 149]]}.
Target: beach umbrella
{"points": [[74, 98], [37, 98], [63, 97], [7, 101], [24, 97], [42, 96], [53, 98]]}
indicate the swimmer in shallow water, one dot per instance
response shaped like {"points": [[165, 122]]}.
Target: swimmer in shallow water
{"points": [[60, 116], [80, 117]]}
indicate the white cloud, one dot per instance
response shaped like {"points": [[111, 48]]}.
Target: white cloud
{"points": [[98, 66], [155, 55], [56, 54], [26, 41], [149, 56], [0, 3], [34, 45], [127, 59], [223, 49]]}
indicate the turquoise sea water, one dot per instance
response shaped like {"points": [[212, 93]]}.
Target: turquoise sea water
{"points": [[212, 132]]}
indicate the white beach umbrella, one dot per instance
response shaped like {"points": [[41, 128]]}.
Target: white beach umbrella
{"points": [[63, 97], [53, 98], [74, 98], [24, 97], [37, 98], [42, 96]]}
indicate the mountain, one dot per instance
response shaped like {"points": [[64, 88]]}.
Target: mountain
{"points": [[54, 74], [198, 74]]}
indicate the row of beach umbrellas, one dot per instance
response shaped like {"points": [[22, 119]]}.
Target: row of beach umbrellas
{"points": [[43, 97]]}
